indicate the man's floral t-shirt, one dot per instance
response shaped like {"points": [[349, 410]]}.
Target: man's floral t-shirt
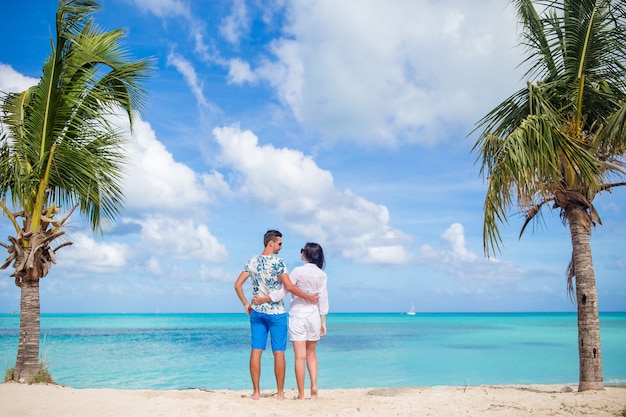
{"points": [[264, 271]]}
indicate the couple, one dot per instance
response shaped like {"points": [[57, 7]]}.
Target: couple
{"points": [[307, 321]]}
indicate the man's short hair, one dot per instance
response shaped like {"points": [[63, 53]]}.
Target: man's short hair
{"points": [[271, 235]]}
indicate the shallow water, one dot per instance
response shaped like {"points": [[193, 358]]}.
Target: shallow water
{"points": [[211, 351]]}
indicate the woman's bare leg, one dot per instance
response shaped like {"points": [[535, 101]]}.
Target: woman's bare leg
{"points": [[300, 353], [311, 362]]}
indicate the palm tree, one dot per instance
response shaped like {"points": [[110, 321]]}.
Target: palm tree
{"points": [[561, 140], [59, 149]]}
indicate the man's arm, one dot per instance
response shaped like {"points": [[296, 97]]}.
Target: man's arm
{"points": [[289, 286], [239, 290], [275, 295]]}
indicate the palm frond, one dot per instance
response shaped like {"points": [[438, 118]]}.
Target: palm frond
{"points": [[63, 148], [565, 133], [536, 41]]}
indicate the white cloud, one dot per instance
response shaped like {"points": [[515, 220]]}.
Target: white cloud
{"points": [[304, 196], [164, 8], [454, 237], [156, 182], [286, 74], [88, 256], [153, 265], [12, 81], [215, 183], [453, 258], [236, 24], [401, 82], [188, 72], [206, 273], [239, 72], [391, 255], [171, 9], [176, 238]]}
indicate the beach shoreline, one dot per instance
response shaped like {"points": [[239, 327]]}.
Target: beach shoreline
{"points": [[485, 400]]}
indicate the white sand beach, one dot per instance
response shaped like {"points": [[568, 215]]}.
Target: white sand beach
{"points": [[505, 401]]}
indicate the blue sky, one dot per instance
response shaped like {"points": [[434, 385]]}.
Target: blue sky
{"points": [[346, 123]]}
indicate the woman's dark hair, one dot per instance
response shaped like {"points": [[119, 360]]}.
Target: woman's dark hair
{"points": [[314, 253]]}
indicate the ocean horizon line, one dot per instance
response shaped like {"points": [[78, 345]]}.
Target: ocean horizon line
{"points": [[330, 314]]}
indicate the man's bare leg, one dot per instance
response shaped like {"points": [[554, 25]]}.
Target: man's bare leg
{"points": [[299, 350], [311, 363], [255, 372], [279, 371]]}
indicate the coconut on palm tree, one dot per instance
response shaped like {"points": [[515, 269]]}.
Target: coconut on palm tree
{"points": [[60, 151], [561, 140]]}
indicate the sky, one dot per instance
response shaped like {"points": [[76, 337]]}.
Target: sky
{"points": [[348, 123]]}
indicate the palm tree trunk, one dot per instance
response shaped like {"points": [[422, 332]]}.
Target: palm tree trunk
{"points": [[589, 348], [27, 363]]}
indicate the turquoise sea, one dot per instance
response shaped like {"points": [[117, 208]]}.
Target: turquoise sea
{"points": [[211, 351]]}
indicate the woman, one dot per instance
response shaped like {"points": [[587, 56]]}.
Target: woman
{"points": [[307, 322]]}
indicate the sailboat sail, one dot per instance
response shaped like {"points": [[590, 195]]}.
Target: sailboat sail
{"points": [[411, 312]]}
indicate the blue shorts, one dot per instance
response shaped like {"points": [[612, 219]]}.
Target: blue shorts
{"points": [[275, 324]]}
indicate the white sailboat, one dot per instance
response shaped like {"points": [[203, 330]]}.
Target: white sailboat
{"points": [[411, 312]]}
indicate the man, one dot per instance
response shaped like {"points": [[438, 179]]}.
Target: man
{"points": [[268, 272]]}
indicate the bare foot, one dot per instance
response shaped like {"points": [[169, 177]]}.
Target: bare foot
{"points": [[280, 396], [314, 393], [256, 395]]}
